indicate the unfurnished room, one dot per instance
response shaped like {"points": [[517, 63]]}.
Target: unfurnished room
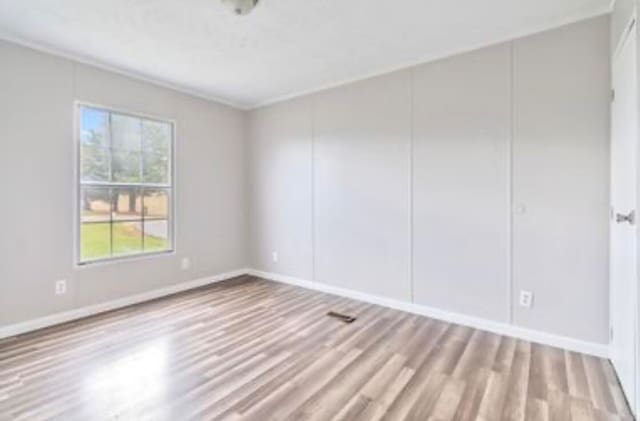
{"points": [[373, 210]]}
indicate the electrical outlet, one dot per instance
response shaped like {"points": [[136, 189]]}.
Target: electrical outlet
{"points": [[526, 299], [185, 264], [61, 287], [275, 257]]}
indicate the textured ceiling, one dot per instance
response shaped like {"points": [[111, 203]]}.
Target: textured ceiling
{"points": [[285, 47]]}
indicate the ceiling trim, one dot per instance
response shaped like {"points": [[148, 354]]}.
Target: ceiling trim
{"points": [[120, 71], [424, 60]]}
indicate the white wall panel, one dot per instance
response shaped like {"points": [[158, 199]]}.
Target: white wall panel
{"points": [[36, 180], [330, 183], [280, 191], [361, 186], [561, 177], [460, 113], [461, 183]]}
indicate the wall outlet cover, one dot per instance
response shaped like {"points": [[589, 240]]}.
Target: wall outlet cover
{"points": [[61, 287], [526, 299]]}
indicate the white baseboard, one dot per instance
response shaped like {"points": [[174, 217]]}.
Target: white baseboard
{"points": [[67, 316], [599, 350], [590, 348]]}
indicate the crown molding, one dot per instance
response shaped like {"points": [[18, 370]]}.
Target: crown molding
{"points": [[46, 49], [578, 17], [41, 47]]}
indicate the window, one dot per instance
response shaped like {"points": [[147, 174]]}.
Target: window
{"points": [[125, 185]]}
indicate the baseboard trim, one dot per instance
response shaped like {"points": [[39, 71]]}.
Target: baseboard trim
{"points": [[71, 315], [571, 344], [598, 350]]}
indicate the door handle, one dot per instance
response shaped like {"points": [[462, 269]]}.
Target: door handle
{"points": [[631, 218]]}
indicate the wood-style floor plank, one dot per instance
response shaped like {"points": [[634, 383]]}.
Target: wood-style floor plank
{"points": [[250, 349]]}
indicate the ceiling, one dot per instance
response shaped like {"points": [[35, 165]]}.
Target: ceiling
{"points": [[283, 48]]}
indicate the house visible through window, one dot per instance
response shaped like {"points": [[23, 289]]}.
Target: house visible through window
{"points": [[125, 185]]}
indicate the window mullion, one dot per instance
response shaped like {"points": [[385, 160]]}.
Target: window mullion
{"points": [[142, 180], [140, 161], [111, 198], [125, 185], [142, 211], [111, 223], [110, 149]]}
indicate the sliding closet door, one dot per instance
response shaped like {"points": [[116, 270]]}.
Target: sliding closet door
{"points": [[560, 179], [461, 183]]}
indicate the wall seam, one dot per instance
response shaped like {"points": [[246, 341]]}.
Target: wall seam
{"points": [[411, 184], [313, 188], [75, 245], [247, 133], [510, 181]]}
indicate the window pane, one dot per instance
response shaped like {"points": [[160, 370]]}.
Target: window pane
{"points": [[117, 219], [155, 168], [126, 132], [94, 126], [156, 203], [95, 241], [94, 144], [127, 238], [95, 163], [156, 152], [126, 203], [95, 204], [125, 166], [156, 235]]}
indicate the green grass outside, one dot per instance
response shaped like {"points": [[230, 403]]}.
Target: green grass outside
{"points": [[95, 241]]}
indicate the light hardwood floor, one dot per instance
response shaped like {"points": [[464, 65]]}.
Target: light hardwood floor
{"points": [[250, 349]]}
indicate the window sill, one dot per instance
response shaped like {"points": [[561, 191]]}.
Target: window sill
{"points": [[124, 259]]}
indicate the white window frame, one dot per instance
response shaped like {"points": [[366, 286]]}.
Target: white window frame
{"points": [[77, 214]]}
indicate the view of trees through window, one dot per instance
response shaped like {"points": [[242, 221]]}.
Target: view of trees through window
{"points": [[125, 185]]}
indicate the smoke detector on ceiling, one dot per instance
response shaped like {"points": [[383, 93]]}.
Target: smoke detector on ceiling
{"points": [[240, 7]]}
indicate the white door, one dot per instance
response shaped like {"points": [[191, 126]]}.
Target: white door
{"points": [[624, 268]]}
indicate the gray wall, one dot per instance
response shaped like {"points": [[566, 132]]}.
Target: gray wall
{"points": [[361, 141], [461, 183], [405, 185], [37, 183], [401, 186], [561, 179], [279, 193]]}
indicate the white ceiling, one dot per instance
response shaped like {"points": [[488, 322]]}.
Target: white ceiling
{"points": [[284, 48]]}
